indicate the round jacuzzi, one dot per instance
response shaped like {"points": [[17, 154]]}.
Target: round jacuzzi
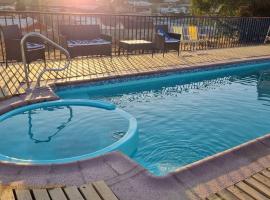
{"points": [[65, 131]]}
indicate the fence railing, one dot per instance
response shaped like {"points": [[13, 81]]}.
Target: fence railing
{"points": [[222, 32]]}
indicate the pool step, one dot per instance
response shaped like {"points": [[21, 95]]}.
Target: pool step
{"points": [[255, 187], [93, 191]]}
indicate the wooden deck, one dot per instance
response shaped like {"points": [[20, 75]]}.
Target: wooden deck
{"points": [[256, 187], [95, 191], [12, 77]]}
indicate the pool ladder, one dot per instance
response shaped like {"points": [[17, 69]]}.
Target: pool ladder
{"points": [[48, 41]]}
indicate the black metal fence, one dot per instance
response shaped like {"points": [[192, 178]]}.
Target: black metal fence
{"points": [[221, 32]]}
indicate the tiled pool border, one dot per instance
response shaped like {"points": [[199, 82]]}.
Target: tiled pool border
{"points": [[184, 181]]}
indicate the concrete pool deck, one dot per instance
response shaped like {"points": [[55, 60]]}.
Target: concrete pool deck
{"points": [[130, 181]]}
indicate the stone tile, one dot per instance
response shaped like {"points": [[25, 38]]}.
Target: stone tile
{"points": [[17, 104], [10, 169], [264, 161], [204, 171], [96, 169], [30, 180], [4, 109], [65, 168], [185, 177], [134, 172], [7, 179], [252, 150], [145, 187], [9, 101], [120, 162], [35, 170], [228, 161], [265, 140], [237, 175], [69, 179]]}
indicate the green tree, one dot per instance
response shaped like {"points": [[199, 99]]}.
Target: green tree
{"points": [[20, 5], [119, 5], [155, 5], [231, 7], [35, 4]]}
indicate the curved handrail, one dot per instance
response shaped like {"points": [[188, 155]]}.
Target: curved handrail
{"points": [[47, 40]]}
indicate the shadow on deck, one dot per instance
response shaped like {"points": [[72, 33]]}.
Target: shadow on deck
{"points": [[12, 77]]}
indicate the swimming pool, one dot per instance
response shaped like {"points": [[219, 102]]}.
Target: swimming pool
{"points": [[185, 117], [65, 131]]}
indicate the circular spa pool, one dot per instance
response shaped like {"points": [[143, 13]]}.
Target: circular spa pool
{"points": [[65, 131]]}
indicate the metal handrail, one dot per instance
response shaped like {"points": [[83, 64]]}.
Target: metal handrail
{"points": [[47, 40]]}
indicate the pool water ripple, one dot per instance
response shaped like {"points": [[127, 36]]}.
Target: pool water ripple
{"points": [[184, 118]]}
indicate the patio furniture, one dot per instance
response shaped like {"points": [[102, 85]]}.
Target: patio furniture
{"points": [[197, 37], [12, 37], [85, 40], [132, 45], [165, 40], [191, 35]]}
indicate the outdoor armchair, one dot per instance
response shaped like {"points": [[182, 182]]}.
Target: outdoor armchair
{"points": [[12, 35], [166, 41]]}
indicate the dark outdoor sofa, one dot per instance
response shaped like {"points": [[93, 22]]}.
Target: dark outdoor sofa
{"points": [[12, 35], [85, 40], [166, 41]]}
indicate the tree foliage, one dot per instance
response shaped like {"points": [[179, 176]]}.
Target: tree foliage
{"points": [[231, 7], [20, 5], [23, 4]]}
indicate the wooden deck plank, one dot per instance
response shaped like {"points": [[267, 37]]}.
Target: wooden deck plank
{"points": [[23, 194], [214, 197], [266, 173], [89, 192], [251, 191], [57, 194], [258, 186], [7, 194], [263, 179], [239, 193], [73, 193], [104, 191], [41, 194], [225, 194]]}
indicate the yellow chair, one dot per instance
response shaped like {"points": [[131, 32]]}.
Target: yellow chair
{"points": [[181, 30], [193, 33], [190, 35], [185, 35]]}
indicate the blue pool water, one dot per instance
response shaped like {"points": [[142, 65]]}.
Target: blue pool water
{"points": [[65, 131], [183, 118]]}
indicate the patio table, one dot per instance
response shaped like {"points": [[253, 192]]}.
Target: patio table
{"points": [[132, 45]]}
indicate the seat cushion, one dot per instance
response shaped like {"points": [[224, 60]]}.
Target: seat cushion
{"points": [[162, 33], [171, 40], [34, 46], [99, 41]]}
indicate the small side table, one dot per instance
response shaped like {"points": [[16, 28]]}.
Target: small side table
{"points": [[132, 45]]}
